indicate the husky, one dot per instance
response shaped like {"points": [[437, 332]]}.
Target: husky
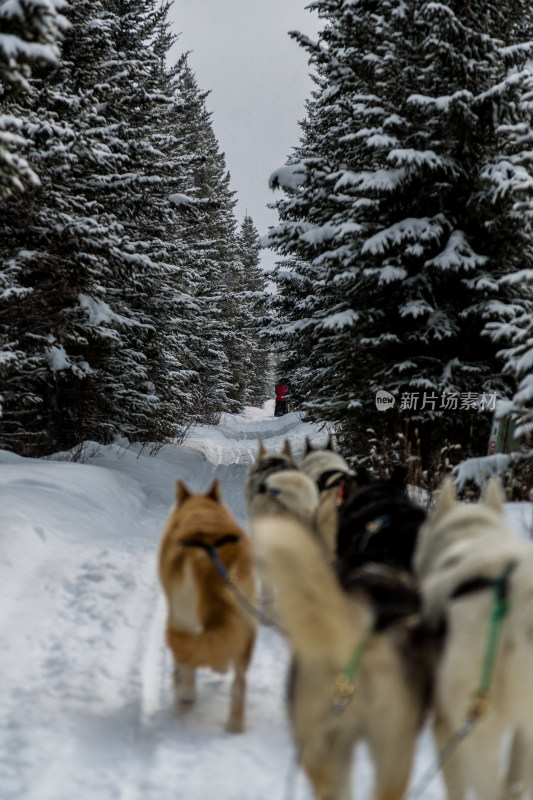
{"points": [[378, 522], [204, 560], [287, 493], [265, 464], [329, 627], [324, 465], [466, 554], [334, 480]]}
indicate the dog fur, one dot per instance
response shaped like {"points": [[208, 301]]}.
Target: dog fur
{"points": [[378, 522], [266, 463], [206, 625], [318, 461], [335, 479], [461, 545], [324, 625], [287, 493]]}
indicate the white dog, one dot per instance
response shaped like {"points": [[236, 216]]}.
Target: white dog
{"points": [[466, 552]]}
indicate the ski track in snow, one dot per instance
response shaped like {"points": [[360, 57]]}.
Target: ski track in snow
{"points": [[86, 699]]}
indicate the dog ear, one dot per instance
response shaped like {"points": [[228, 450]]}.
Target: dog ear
{"points": [[182, 492], [329, 445], [261, 451], [493, 495], [215, 492], [287, 451], [446, 499], [308, 446]]}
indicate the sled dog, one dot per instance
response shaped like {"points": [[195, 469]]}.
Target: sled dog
{"points": [[285, 494], [265, 463], [334, 480], [202, 549], [327, 628], [289, 493], [379, 522], [465, 554], [323, 464]]}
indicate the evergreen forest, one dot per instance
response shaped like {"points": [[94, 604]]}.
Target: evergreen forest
{"points": [[406, 227], [128, 289], [132, 301]]}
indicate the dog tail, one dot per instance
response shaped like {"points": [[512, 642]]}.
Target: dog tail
{"points": [[321, 622]]}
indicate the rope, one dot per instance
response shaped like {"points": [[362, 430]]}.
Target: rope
{"points": [[211, 550], [245, 603]]}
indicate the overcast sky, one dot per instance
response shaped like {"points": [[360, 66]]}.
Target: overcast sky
{"points": [[259, 80]]}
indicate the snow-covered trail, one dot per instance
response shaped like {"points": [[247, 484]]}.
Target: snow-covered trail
{"points": [[85, 700]]}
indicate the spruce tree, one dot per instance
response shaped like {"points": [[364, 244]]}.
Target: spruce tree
{"points": [[401, 216], [29, 34], [121, 313], [260, 378], [91, 258], [518, 360], [222, 358]]}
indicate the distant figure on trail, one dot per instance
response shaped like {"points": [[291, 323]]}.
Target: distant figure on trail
{"points": [[281, 399]]}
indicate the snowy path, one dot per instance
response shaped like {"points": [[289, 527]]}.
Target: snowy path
{"points": [[86, 708], [86, 701]]}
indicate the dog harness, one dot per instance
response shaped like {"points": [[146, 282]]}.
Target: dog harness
{"points": [[273, 464], [477, 584], [332, 477], [211, 550], [500, 606]]}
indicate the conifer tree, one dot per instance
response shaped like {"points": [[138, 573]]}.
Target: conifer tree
{"points": [[222, 363], [121, 310], [254, 284], [401, 215], [518, 360], [29, 34], [90, 259]]}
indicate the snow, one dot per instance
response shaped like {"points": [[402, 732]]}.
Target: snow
{"points": [[458, 254], [423, 229], [86, 702], [385, 180], [288, 177], [182, 200], [341, 319], [59, 360], [99, 312]]}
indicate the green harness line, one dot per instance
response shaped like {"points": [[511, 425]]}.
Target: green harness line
{"points": [[499, 609], [344, 689], [345, 683]]}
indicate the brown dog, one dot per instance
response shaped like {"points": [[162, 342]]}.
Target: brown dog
{"points": [[206, 571]]}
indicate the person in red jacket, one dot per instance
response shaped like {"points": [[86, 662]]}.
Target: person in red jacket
{"points": [[280, 407]]}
